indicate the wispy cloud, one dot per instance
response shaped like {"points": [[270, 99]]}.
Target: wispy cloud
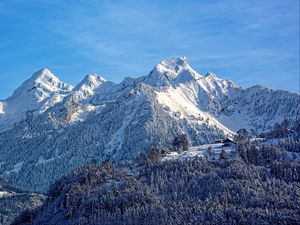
{"points": [[120, 38]]}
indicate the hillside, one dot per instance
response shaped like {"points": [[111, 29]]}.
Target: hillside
{"points": [[252, 187]]}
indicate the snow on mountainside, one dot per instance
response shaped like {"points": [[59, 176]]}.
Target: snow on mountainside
{"points": [[38, 93], [258, 108], [79, 103], [105, 121], [199, 151]]}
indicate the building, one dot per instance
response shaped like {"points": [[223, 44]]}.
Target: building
{"points": [[228, 142]]}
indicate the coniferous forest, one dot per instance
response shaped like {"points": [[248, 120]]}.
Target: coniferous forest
{"points": [[258, 184]]}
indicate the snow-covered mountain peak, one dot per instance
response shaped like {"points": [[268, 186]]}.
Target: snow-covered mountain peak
{"points": [[41, 84], [172, 71], [92, 77], [174, 64], [210, 75], [88, 85], [43, 75], [41, 91]]}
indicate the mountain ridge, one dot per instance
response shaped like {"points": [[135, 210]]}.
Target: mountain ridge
{"points": [[119, 122]]}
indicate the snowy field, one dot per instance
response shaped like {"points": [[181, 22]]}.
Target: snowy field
{"points": [[199, 151]]}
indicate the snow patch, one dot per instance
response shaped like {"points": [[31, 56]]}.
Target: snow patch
{"points": [[6, 194], [183, 100], [41, 160], [198, 151]]}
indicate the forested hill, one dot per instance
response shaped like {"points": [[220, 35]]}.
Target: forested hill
{"points": [[259, 184]]}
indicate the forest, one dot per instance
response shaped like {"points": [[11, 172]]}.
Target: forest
{"points": [[258, 184]]}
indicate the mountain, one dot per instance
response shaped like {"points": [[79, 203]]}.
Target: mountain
{"points": [[89, 85], [102, 120], [38, 93]]}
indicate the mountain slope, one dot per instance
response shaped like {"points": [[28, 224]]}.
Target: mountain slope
{"points": [[258, 108], [105, 121]]}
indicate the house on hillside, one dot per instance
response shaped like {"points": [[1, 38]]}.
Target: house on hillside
{"points": [[228, 142]]}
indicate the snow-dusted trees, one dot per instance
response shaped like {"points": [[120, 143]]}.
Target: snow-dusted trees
{"points": [[181, 143], [223, 154], [209, 152], [287, 128], [174, 192], [242, 136], [154, 155]]}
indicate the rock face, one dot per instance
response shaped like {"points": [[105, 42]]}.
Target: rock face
{"points": [[65, 127]]}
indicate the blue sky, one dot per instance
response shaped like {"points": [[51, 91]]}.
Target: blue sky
{"points": [[249, 42]]}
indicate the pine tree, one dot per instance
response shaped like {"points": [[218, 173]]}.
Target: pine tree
{"points": [[209, 151], [185, 142], [181, 143], [154, 155], [223, 154]]}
